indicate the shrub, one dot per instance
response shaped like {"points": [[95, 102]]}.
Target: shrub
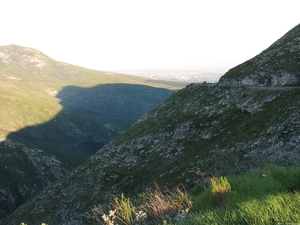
{"points": [[123, 211], [220, 185], [162, 205], [155, 206], [99, 215], [219, 188], [212, 195]]}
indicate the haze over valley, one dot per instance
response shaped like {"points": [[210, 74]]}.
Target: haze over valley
{"points": [[149, 112], [55, 115], [73, 138], [180, 75]]}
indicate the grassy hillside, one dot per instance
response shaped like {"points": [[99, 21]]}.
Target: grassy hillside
{"points": [[266, 196], [218, 130], [201, 133], [25, 86], [55, 115]]}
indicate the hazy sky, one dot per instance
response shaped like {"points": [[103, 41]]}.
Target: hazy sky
{"points": [[147, 34]]}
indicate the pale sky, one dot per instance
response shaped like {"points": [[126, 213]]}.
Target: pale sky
{"points": [[115, 35]]}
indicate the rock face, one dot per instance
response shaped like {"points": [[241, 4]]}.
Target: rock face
{"points": [[276, 66], [25, 172], [215, 129], [23, 58]]}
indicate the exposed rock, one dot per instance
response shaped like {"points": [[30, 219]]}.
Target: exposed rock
{"points": [[24, 173], [212, 129], [276, 66], [200, 128], [23, 58], [55, 115]]}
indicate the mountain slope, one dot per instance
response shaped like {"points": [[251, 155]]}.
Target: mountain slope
{"points": [[55, 115], [210, 129], [214, 129], [277, 65], [29, 78]]}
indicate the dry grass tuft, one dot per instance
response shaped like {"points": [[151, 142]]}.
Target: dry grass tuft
{"points": [[161, 205], [156, 206]]}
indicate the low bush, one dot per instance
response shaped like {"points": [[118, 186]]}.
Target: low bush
{"points": [[219, 188], [269, 196], [154, 206], [162, 205], [213, 195], [122, 212]]}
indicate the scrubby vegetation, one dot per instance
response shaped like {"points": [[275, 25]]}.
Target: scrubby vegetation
{"points": [[55, 115], [221, 129], [153, 206], [270, 195]]}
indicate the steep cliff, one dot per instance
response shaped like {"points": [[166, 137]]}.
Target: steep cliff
{"points": [[277, 65]]}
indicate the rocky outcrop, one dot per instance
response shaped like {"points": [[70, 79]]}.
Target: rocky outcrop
{"points": [[24, 173], [276, 66], [208, 128], [24, 58]]}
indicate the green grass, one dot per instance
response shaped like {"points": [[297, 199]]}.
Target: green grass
{"points": [[268, 196], [233, 126], [63, 110]]}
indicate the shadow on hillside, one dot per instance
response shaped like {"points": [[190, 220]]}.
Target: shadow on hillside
{"points": [[34, 157]]}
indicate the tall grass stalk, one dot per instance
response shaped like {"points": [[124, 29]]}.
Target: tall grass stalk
{"points": [[124, 210], [277, 208], [220, 185], [155, 205], [219, 188], [160, 205]]}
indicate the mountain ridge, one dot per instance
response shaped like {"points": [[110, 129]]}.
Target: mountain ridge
{"points": [[219, 137], [55, 115], [231, 127], [275, 66]]}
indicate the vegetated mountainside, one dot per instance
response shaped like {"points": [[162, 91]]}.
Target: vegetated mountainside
{"points": [[277, 65], [55, 115], [209, 128]]}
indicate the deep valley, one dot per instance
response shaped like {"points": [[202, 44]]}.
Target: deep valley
{"points": [[122, 137]]}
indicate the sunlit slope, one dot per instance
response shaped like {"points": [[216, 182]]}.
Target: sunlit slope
{"points": [[22, 106], [19, 62], [215, 130], [53, 116], [30, 82]]}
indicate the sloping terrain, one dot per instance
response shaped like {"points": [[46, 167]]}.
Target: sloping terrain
{"points": [[201, 129], [277, 65], [55, 115], [214, 129], [32, 81]]}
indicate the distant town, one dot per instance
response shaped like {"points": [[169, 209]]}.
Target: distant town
{"points": [[194, 76]]}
